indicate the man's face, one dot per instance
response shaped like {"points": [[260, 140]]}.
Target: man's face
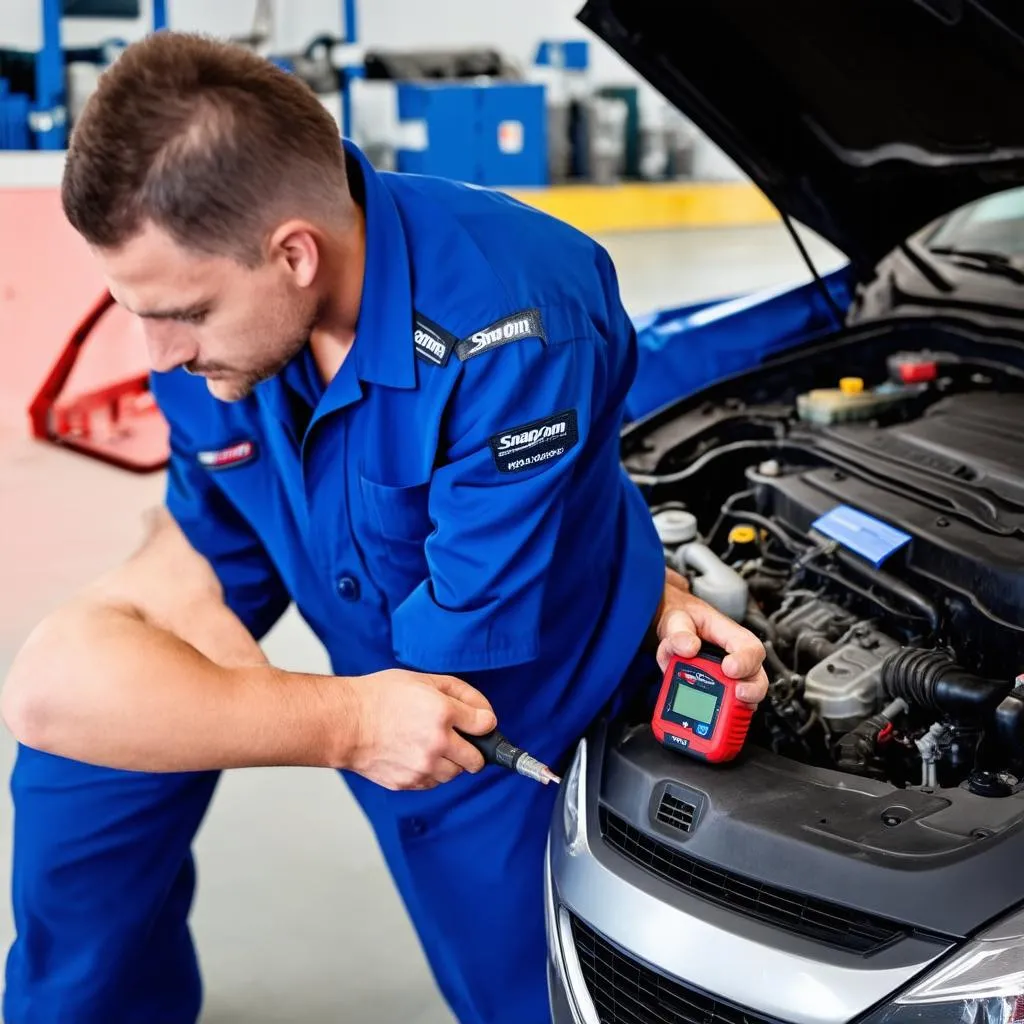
{"points": [[231, 324]]}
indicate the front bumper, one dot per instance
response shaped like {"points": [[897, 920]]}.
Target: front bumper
{"points": [[562, 1011], [567, 990], [711, 960]]}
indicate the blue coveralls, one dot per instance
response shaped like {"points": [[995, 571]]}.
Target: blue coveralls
{"points": [[452, 501]]}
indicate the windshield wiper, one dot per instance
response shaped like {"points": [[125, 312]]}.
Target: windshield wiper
{"points": [[983, 261]]}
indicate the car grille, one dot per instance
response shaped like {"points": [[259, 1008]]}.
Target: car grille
{"points": [[676, 813], [804, 915], [625, 991]]}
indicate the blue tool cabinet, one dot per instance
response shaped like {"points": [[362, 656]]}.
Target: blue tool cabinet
{"points": [[493, 135]]}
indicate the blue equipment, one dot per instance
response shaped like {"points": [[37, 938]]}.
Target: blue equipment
{"points": [[45, 120], [14, 108], [493, 135], [571, 55], [34, 106]]}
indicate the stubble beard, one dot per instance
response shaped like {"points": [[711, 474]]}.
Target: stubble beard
{"points": [[239, 387]]}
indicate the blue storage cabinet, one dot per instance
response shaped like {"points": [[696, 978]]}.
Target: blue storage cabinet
{"points": [[14, 111], [494, 135]]}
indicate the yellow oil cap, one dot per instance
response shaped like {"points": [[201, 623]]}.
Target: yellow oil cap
{"points": [[851, 385], [742, 535]]}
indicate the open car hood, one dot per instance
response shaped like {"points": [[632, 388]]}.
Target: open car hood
{"points": [[862, 119]]}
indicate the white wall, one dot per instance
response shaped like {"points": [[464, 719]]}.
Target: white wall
{"points": [[513, 26]]}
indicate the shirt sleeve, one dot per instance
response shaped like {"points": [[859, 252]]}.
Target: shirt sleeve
{"points": [[253, 589], [519, 420]]}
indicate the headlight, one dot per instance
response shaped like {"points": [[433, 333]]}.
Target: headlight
{"points": [[982, 984], [573, 813]]}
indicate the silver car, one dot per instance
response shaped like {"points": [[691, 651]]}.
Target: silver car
{"points": [[856, 491]]}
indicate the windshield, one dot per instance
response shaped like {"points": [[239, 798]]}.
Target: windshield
{"points": [[994, 224]]}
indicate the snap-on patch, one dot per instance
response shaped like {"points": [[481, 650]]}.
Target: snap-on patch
{"points": [[525, 324], [433, 343], [534, 443]]}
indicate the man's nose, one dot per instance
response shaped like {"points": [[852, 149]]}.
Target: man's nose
{"points": [[167, 345]]}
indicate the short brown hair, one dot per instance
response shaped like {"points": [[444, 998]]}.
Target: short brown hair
{"points": [[206, 139]]}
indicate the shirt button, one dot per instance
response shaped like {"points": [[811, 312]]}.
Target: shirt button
{"points": [[348, 588]]}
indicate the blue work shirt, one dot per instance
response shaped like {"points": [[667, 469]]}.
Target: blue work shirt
{"points": [[452, 500]]}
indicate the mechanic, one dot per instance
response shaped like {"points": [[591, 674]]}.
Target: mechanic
{"points": [[395, 401]]}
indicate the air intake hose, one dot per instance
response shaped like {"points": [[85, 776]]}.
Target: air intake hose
{"points": [[931, 680]]}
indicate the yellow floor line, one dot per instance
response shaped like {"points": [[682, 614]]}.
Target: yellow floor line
{"points": [[654, 205]]}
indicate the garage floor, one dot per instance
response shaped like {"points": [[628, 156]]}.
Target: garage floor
{"points": [[296, 920]]}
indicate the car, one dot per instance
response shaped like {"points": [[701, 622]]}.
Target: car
{"points": [[847, 476], [967, 264]]}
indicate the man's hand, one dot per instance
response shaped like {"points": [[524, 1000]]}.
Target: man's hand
{"points": [[684, 620], [404, 736]]}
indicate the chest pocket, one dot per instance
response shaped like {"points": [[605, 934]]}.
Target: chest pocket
{"points": [[398, 522]]}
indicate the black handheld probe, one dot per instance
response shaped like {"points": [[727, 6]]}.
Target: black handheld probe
{"points": [[498, 750]]}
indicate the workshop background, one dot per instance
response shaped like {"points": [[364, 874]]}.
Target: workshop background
{"points": [[296, 919]]}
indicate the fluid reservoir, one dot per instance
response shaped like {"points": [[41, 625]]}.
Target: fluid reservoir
{"points": [[849, 401], [675, 526], [717, 583]]}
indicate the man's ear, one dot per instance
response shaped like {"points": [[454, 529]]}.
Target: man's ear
{"points": [[295, 244]]}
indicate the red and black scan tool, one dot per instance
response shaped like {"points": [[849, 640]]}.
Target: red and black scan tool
{"points": [[698, 712]]}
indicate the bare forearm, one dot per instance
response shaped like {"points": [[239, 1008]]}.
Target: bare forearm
{"points": [[675, 584], [101, 685]]}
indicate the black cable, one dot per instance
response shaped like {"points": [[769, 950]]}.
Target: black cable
{"points": [[975, 362], [658, 480], [822, 287], [820, 570], [760, 622], [725, 510], [898, 587]]}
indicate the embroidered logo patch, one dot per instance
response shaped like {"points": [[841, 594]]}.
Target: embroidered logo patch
{"points": [[533, 443], [225, 458], [526, 324], [433, 343]]}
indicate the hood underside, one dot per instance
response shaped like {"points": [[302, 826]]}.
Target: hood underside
{"points": [[863, 119]]}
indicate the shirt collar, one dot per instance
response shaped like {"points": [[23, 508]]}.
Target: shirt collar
{"points": [[383, 348], [383, 351]]}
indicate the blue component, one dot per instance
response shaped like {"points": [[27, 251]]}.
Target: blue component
{"points": [[512, 136], [571, 54], [449, 113], [50, 107], [348, 73], [14, 109], [351, 22], [493, 135], [862, 534]]}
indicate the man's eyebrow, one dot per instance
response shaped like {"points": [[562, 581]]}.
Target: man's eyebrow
{"points": [[180, 313]]}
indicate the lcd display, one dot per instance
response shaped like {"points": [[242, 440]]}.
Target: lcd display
{"points": [[694, 704]]}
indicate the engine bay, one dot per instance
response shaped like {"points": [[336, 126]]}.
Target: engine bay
{"points": [[860, 506]]}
